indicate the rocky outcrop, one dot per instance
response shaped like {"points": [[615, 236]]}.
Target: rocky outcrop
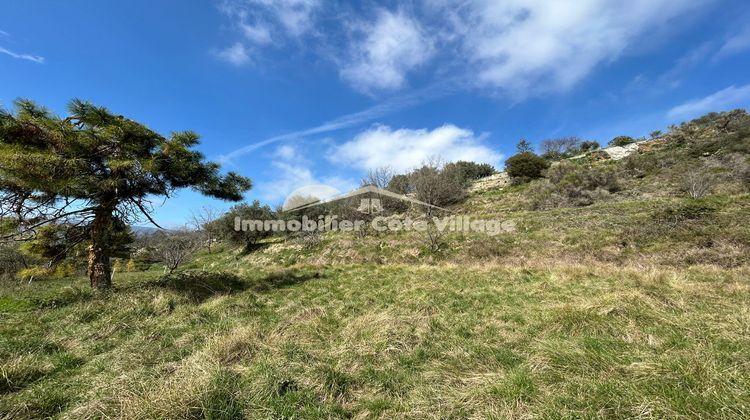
{"points": [[621, 152], [491, 182]]}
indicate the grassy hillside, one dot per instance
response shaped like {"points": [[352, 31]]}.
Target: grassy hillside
{"points": [[624, 303], [366, 340]]}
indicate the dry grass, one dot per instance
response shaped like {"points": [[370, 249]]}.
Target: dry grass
{"points": [[474, 341]]}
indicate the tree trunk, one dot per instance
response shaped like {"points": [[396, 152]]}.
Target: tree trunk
{"points": [[100, 270]]}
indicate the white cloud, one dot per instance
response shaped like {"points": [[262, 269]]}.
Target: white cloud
{"points": [[236, 54], [405, 149], [265, 23], [292, 172], [258, 34], [532, 46], [720, 101], [21, 56], [287, 152], [293, 16], [521, 47], [736, 44], [392, 46]]}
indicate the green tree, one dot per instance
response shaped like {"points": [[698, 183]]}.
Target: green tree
{"points": [[588, 146], [436, 186], [524, 146], [95, 170], [526, 166], [246, 236], [400, 184]]}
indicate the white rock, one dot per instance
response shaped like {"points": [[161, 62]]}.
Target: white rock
{"points": [[498, 180], [620, 152]]}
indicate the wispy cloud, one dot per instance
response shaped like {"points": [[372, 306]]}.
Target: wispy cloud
{"points": [[22, 56], [349, 120], [724, 99], [265, 23], [236, 54], [519, 47], [392, 46], [291, 172], [736, 44], [534, 47], [693, 58]]}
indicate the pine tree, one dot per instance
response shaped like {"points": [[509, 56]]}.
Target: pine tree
{"points": [[524, 146], [95, 170]]}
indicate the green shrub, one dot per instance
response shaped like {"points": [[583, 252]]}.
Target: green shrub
{"points": [[641, 165], [225, 226], [436, 186], [526, 166], [589, 146], [57, 272], [131, 266], [621, 141], [693, 211], [571, 185], [34, 273], [469, 171], [11, 260], [690, 224], [400, 184], [117, 265], [201, 285]]}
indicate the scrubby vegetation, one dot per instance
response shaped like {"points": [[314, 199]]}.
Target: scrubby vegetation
{"points": [[573, 185], [621, 141], [622, 291], [566, 147]]}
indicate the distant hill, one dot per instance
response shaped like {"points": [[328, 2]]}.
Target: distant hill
{"points": [[144, 230]]}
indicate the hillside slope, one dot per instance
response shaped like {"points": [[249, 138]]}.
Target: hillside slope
{"points": [[649, 218], [624, 303]]}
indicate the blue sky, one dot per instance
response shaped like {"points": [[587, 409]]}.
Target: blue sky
{"points": [[297, 92]]}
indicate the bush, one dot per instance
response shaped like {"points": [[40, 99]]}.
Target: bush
{"points": [[11, 260], [60, 271], [697, 184], [142, 258], [437, 187], [400, 184], [131, 266], [554, 149], [202, 285], [589, 146], [178, 248], [225, 225], [571, 185], [640, 165], [469, 171], [694, 211], [622, 141], [117, 265], [526, 166]]}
